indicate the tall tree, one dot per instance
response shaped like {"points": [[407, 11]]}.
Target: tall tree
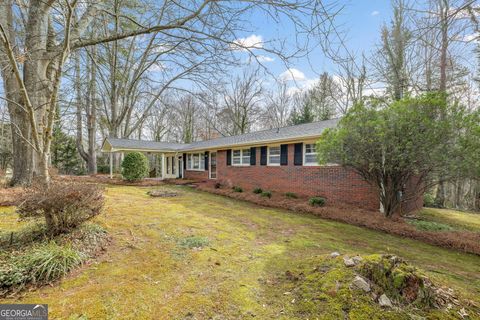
{"points": [[38, 36], [391, 59]]}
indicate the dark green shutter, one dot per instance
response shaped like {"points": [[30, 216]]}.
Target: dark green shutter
{"points": [[184, 161], [284, 154], [263, 156], [253, 156], [229, 157], [298, 156]]}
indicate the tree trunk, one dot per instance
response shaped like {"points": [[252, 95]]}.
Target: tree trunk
{"points": [[443, 8]]}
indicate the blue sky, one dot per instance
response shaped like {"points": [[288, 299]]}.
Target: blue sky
{"points": [[360, 21]]}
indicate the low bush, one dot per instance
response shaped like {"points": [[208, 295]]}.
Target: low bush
{"points": [[428, 200], [266, 194], [218, 185], [317, 201], [194, 242], [291, 195], [64, 206], [103, 168], [257, 190], [135, 166], [237, 189]]}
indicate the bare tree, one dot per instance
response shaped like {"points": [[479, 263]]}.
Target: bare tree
{"points": [[278, 107], [242, 103], [38, 36], [391, 59]]}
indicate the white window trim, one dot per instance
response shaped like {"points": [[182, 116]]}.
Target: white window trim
{"points": [[279, 156], [305, 164], [241, 164], [200, 155]]}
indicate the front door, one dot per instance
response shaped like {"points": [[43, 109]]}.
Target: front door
{"points": [[213, 165]]}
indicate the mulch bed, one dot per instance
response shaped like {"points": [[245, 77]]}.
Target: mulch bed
{"points": [[466, 241], [10, 196], [105, 179]]}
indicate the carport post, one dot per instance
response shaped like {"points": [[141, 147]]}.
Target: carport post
{"points": [[111, 165]]}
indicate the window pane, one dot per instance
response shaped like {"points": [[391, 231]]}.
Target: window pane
{"points": [[246, 156], [310, 148], [311, 158], [236, 157], [274, 150], [196, 161], [274, 159], [202, 161]]}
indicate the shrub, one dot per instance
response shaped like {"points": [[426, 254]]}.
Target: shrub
{"points": [[267, 194], [135, 166], [291, 195], [257, 190], [103, 168], [428, 200], [218, 185], [64, 206], [317, 201], [237, 189], [194, 242]]}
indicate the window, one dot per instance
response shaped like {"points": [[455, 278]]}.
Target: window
{"points": [[241, 157], [237, 157], [196, 161], [310, 154], [274, 156]]}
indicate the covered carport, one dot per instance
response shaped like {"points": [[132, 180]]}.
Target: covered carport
{"points": [[170, 154]]}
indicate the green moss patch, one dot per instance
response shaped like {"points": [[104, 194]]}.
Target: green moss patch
{"points": [[242, 272]]}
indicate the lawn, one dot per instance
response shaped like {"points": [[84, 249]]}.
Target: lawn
{"points": [[197, 256], [456, 220]]}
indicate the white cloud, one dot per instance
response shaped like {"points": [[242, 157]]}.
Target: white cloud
{"points": [[292, 74], [251, 42], [375, 13], [474, 37], [265, 59], [157, 67]]}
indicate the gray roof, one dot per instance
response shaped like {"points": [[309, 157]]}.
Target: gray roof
{"points": [[307, 130], [142, 144]]}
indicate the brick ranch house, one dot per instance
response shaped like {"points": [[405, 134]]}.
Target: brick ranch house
{"points": [[280, 160]]}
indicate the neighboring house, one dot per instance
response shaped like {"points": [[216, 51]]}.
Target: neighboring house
{"points": [[281, 160]]}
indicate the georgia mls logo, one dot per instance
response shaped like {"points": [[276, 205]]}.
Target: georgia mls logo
{"points": [[23, 312]]}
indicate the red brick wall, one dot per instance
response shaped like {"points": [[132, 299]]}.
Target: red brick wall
{"points": [[335, 183], [196, 175]]}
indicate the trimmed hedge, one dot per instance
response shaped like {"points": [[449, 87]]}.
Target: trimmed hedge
{"points": [[135, 166]]}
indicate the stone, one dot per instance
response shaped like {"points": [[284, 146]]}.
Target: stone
{"points": [[348, 262], [384, 301], [334, 254], [357, 259], [361, 283]]}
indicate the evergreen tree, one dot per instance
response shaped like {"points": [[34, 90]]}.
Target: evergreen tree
{"points": [[304, 115]]}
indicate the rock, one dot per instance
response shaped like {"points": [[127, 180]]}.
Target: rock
{"points": [[357, 259], [361, 283], [334, 254], [348, 262], [384, 301]]}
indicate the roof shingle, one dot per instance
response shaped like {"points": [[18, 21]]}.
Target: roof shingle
{"points": [[307, 130]]}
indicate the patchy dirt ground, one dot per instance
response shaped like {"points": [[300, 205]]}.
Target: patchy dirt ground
{"points": [[202, 256]]}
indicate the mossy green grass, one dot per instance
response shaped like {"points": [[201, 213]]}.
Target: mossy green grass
{"points": [[147, 274]]}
